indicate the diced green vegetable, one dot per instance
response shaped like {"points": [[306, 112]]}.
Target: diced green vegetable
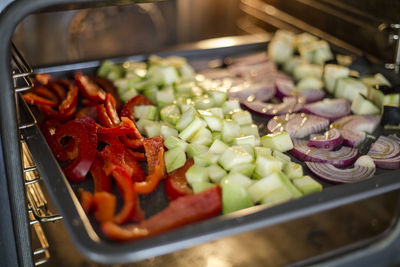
{"points": [[307, 185], [233, 156], [191, 129], [242, 117], [215, 173], [237, 178], [230, 130], [196, 174], [362, 106], [174, 159], [201, 186], [172, 141], [280, 141], [195, 149], [148, 112], [293, 170], [234, 197], [246, 169], [265, 166]]}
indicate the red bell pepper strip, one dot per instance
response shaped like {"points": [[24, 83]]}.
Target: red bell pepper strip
{"points": [[42, 78], [83, 132], [127, 110], [34, 99], [102, 182], [104, 205], [182, 211], [130, 123], [138, 174], [48, 129], [139, 156], [46, 93], [89, 89], [110, 105], [89, 111], [86, 199], [107, 86], [68, 105], [125, 127], [176, 185], [154, 150], [125, 186], [113, 156], [103, 117]]}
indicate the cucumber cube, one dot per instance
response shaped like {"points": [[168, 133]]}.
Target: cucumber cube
{"points": [[249, 149], [148, 112], [237, 178], [272, 184], [233, 156], [203, 160], [217, 112], [293, 170], [234, 197], [246, 169], [285, 159], [184, 88], [196, 174], [172, 141], [216, 173], [307, 185], [166, 131], [231, 106], [242, 117], [170, 114], [230, 130], [203, 102], [128, 94], [362, 106], [295, 192], [165, 97], [152, 129], [219, 97], [151, 93], [195, 150], [216, 135], [262, 151], [191, 129], [163, 75], [310, 83], [332, 73], [307, 70], [174, 159], [249, 129], [201, 186], [348, 88], [218, 147], [213, 122], [202, 137], [279, 141], [187, 117], [266, 165], [245, 140]]}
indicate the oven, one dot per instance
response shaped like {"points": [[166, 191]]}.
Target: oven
{"points": [[356, 224]]}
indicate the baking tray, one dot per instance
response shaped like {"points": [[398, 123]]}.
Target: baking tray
{"points": [[89, 239]]}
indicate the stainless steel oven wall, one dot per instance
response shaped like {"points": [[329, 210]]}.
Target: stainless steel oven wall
{"points": [[67, 36]]}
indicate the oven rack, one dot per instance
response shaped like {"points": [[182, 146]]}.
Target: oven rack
{"points": [[37, 206]]}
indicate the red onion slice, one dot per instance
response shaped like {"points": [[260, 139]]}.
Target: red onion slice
{"points": [[359, 123], [395, 137], [253, 69], [250, 92], [352, 138], [384, 148], [286, 88], [353, 128], [330, 109], [298, 125], [391, 163], [329, 140], [341, 158], [289, 105], [332, 174]]}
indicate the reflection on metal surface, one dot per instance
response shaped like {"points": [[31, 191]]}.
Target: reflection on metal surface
{"points": [[41, 255]]}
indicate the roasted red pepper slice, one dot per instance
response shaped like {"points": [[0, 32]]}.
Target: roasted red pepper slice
{"points": [[154, 150], [83, 132], [43, 78], [110, 105], [139, 156], [182, 211], [125, 186], [102, 182], [89, 111], [113, 156], [68, 105], [104, 205], [138, 174], [46, 93], [103, 117], [107, 86], [89, 89], [86, 199], [176, 184], [126, 127], [34, 99], [127, 110], [48, 129]]}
